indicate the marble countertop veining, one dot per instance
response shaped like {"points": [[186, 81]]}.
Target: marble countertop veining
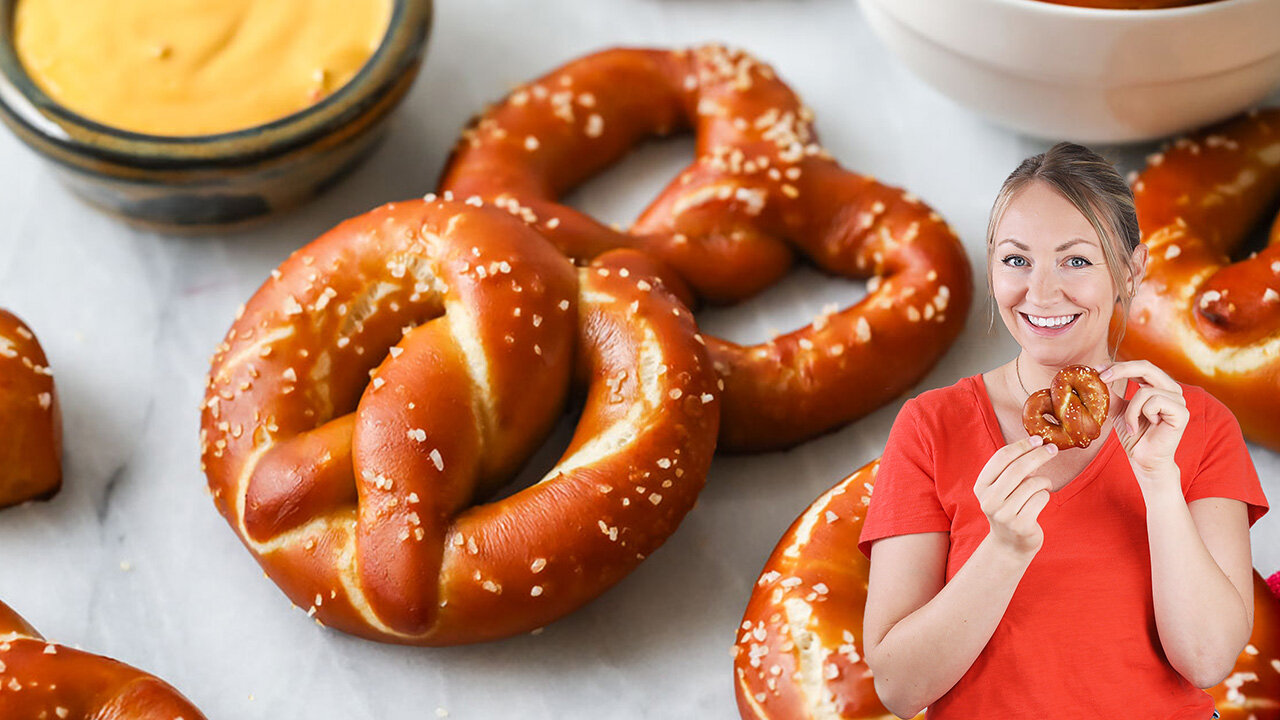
{"points": [[131, 560]]}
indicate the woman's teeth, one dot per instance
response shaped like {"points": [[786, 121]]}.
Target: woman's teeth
{"points": [[1050, 322]]}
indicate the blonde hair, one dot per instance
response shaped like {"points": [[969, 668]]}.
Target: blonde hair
{"points": [[1095, 188]]}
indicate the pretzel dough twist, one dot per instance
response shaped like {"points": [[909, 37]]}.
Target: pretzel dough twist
{"points": [[30, 421], [1199, 316], [799, 650], [39, 679], [357, 497], [760, 190], [1078, 402]]}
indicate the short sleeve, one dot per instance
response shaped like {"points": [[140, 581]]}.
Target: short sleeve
{"points": [[1225, 469], [904, 499]]}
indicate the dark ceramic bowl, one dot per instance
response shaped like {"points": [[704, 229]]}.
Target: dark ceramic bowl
{"points": [[211, 181]]}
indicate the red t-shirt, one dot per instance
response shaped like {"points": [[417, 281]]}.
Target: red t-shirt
{"points": [[1079, 638]]}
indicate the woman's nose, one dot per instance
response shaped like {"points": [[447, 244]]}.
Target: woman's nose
{"points": [[1042, 286]]}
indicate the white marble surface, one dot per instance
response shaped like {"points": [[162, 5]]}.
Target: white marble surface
{"points": [[132, 560]]}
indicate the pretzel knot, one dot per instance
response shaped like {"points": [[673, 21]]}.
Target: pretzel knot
{"points": [[358, 496], [1070, 412], [760, 190], [39, 679], [799, 653], [30, 421], [1208, 312]]}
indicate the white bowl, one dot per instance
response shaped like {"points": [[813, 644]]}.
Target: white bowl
{"points": [[1084, 74]]}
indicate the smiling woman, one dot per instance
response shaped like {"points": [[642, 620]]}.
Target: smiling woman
{"points": [[986, 595]]}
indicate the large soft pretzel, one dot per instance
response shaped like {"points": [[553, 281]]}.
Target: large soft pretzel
{"points": [[799, 649], [30, 423], [1078, 402], [760, 190], [43, 681], [358, 496], [1201, 317]]}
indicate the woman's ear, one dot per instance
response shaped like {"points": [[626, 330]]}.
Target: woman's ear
{"points": [[1138, 267]]}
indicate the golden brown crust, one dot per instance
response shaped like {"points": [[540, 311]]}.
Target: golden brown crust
{"points": [[39, 679], [1077, 401], [1200, 317], [799, 650], [358, 496], [30, 419], [760, 191]]}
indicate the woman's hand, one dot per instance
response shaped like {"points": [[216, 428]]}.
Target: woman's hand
{"points": [[1011, 498], [1151, 423]]}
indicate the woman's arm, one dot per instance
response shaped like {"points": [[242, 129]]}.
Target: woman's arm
{"points": [[1201, 569], [921, 634], [921, 637], [1202, 581]]}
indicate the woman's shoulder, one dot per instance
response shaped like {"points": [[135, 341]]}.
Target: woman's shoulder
{"points": [[944, 403], [1202, 405]]}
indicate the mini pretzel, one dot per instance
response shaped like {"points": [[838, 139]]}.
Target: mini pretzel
{"points": [[1199, 316], [1071, 411], [39, 679], [760, 190], [799, 649], [357, 496], [30, 422]]}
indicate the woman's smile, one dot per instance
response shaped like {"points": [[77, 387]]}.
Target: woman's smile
{"points": [[1049, 325]]}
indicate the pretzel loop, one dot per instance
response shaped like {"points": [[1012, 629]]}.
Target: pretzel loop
{"points": [[760, 190], [1205, 313], [44, 680], [404, 366]]}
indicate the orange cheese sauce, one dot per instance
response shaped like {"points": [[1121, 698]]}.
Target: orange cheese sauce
{"points": [[194, 67]]}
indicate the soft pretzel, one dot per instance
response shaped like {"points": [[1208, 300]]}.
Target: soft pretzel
{"points": [[799, 649], [41, 680], [760, 190], [30, 422], [1077, 401], [1201, 317], [358, 496]]}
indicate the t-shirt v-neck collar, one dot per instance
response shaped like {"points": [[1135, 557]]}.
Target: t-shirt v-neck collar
{"points": [[1080, 481]]}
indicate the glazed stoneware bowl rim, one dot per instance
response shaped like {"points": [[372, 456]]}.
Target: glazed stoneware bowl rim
{"points": [[401, 45], [1076, 46]]}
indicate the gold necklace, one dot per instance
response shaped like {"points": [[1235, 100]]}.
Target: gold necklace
{"points": [[1017, 369]]}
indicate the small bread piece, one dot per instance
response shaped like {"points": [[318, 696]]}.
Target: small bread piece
{"points": [[1078, 402], [30, 423]]}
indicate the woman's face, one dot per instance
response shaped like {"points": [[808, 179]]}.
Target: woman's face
{"points": [[1050, 279]]}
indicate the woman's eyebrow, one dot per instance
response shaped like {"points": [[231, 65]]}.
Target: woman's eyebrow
{"points": [[1060, 248]]}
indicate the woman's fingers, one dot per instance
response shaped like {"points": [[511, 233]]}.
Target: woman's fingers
{"points": [[1001, 458], [998, 493], [1018, 497], [1150, 402], [1034, 505], [1144, 371]]}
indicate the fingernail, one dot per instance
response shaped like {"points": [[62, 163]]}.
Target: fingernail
{"points": [[1130, 428], [1105, 374], [1037, 440], [1053, 449]]}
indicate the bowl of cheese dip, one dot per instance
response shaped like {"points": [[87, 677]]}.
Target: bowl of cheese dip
{"points": [[187, 115]]}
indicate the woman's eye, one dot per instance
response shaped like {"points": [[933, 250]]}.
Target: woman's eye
{"points": [[1078, 262], [1015, 261]]}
